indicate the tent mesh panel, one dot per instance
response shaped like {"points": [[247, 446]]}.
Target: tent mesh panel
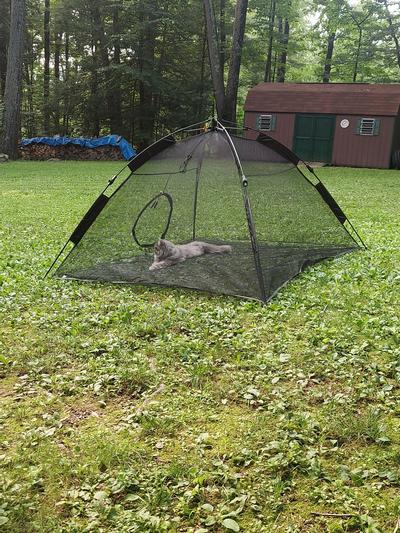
{"points": [[294, 226]]}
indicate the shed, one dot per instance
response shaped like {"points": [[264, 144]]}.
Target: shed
{"points": [[344, 124]]}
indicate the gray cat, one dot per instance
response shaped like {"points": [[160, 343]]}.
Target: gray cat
{"points": [[166, 253]]}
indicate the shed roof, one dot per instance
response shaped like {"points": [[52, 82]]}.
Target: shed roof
{"points": [[331, 98]]}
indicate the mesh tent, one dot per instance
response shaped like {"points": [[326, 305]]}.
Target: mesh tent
{"points": [[219, 188]]}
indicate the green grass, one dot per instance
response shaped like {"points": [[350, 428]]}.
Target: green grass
{"points": [[137, 409]]}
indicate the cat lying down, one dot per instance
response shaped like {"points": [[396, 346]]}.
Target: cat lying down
{"points": [[166, 253]]}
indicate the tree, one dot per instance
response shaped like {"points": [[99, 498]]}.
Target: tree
{"points": [[332, 18], [141, 68], [271, 25], [284, 41], [359, 20], [226, 100], [13, 86], [392, 27], [147, 44], [215, 58], [235, 61], [116, 112], [4, 36], [46, 74]]}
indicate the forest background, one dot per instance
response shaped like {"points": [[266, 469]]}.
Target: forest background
{"points": [[140, 68]]}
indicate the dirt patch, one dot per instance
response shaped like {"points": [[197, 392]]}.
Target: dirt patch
{"points": [[80, 413]]}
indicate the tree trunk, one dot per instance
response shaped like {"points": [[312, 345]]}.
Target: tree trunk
{"points": [[157, 97], [355, 71], [275, 65], [92, 126], [268, 64], [281, 72], [13, 88], [132, 107], [29, 101], [100, 61], [116, 112], [65, 121], [359, 24], [222, 36], [4, 36], [29, 67], [146, 67], [46, 73], [66, 54], [235, 61], [226, 100], [213, 52], [328, 58], [57, 54], [200, 105]]}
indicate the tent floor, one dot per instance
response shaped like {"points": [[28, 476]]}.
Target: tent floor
{"points": [[232, 274]]}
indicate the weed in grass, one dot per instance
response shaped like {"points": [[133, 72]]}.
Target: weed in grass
{"points": [[348, 425]]}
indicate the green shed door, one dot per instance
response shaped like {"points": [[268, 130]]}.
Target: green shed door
{"points": [[313, 137]]}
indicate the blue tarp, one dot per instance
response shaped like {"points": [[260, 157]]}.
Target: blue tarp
{"points": [[127, 149]]}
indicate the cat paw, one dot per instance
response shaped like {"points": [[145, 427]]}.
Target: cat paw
{"points": [[155, 266]]}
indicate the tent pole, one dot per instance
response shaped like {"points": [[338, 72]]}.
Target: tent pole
{"points": [[56, 259], [249, 214], [198, 170]]}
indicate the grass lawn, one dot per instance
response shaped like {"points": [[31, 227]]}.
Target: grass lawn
{"points": [[128, 408]]}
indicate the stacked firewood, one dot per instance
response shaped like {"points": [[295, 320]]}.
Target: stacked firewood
{"points": [[43, 152]]}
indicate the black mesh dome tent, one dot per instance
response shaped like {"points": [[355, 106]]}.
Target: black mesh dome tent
{"points": [[216, 187]]}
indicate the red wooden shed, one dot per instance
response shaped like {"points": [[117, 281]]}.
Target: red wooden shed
{"points": [[346, 124]]}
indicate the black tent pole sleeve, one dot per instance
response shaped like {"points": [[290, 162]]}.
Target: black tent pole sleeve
{"points": [[336, 209], [249, 214], [278, 147], [90, 216], [85, 223], [69, 239], [111, 181]]}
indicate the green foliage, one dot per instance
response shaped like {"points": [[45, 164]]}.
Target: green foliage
{"points": [[141, 68], [137, 409]]}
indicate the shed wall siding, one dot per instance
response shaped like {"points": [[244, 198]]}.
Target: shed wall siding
{"points": [[396, 135], [350, 149], [283, 130]]}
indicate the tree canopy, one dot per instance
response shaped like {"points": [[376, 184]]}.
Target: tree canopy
{"points": [[139, 68]]}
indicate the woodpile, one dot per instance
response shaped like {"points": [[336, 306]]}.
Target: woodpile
{"points": [[43, 152]]}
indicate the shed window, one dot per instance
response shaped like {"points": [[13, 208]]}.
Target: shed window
{"points": [[266, 122], [368, 126]]}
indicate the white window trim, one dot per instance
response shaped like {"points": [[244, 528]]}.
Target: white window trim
{"points": [[370, 124], [270, 117]]}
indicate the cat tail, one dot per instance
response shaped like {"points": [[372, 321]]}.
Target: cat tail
{"points": [[217, 248]]}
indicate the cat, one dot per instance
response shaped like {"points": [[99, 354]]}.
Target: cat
{"points": [[166, 253]]}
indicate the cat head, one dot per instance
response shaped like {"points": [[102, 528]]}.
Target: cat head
{"points": [[163, 248]]}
